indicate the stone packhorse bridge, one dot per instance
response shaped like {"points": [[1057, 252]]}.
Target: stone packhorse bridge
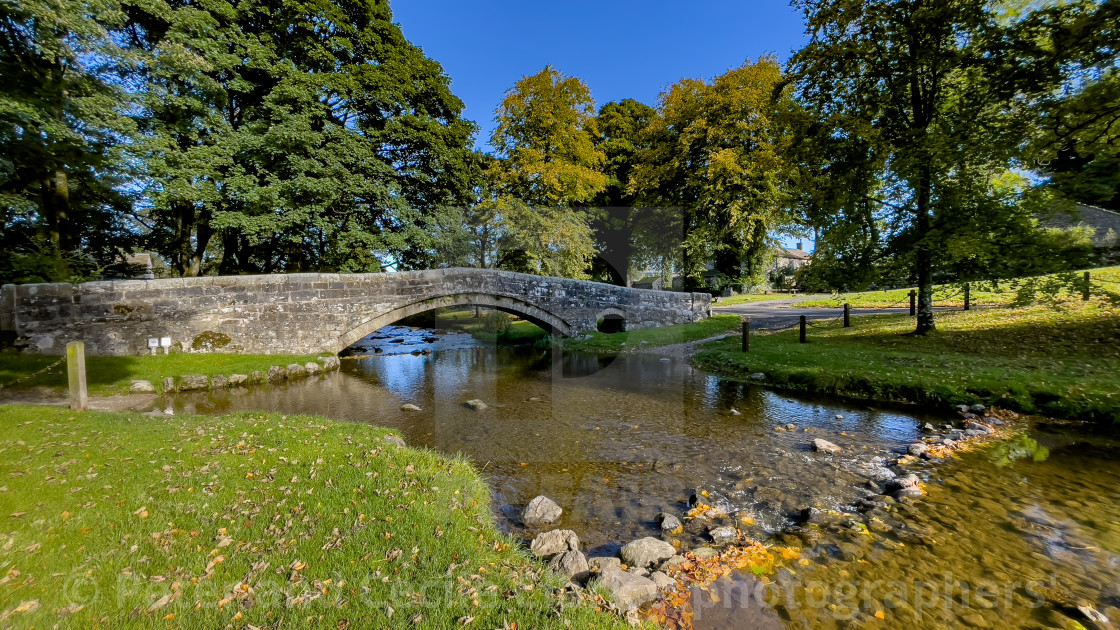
{"points": [[310, 312]]}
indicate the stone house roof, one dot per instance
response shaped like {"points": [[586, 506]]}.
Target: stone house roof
{"points": [[1102, 220]]}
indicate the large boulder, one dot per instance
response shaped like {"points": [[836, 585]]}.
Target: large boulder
{"points": [[627, 589], [646, 552], [276, 373], [554, 542], [221, 381], [238, 380], [330, 363], [312, 367], [296, 370], [142, 387], [541, 511], [572, 565]]}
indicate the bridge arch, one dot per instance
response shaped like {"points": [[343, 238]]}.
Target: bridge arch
{"points": [[534, 314], [612, 320]]}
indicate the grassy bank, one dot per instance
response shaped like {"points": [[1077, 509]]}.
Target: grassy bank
{"points": [[757, 297], [113, 375], [252, 520], [952, 295], [653, 337], [1063, 363]]}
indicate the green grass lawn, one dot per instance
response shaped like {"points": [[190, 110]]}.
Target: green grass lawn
{"points": [[267, 521], [653, 337], [1061, 362], [113, 375], [952, 295]]}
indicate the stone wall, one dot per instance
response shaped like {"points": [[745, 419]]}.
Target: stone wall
{"points": [[309, 313]]}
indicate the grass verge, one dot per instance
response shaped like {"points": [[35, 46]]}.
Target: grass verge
{"points": [[653, 337], [113, 375], [751, 298], [951, 295], [252, 520], [1058, 362]]}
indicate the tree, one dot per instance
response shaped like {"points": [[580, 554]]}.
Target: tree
{"points": [[62, 178], [1068, 67], [548, 166], [615, 219], [914, 78], [297, 136], [716, 152]]}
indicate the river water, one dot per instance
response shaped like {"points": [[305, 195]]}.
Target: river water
{"points": [[617, 440]]}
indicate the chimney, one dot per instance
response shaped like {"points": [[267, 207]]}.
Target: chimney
{"points": [[798, 245]]}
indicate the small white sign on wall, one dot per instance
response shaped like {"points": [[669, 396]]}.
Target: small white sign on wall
{"points": [[165, 343]]}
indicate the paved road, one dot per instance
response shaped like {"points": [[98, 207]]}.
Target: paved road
{"points": [[778, 314]]}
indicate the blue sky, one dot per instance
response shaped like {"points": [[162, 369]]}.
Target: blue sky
{"points": [[621, 48]]}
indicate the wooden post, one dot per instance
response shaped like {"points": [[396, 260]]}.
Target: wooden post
{"points": [[76, 369], [913, 303], [1087, 288], [746, 334], [847, 315], [804, 322], [967, 296]]}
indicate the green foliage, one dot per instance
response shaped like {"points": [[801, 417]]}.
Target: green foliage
{"points": [[64, 212], [548, 163], [249, 519], [717, 151], [909, 99]]}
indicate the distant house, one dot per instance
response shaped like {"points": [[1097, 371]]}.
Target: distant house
{"points": [[1105, 222], [789, 259], [141, 264]]}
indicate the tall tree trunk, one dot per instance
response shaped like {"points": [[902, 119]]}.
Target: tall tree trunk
{"points": [[923, 259], [56, 206], [202, 240]]}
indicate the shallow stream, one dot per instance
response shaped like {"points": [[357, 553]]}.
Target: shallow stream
{"points": [[617, 440]]}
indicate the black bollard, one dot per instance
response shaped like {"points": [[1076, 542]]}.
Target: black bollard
{"points": [[913, 303], [746, 334], [847, 315], [1087, 287], [804, 322], [967, 296]]}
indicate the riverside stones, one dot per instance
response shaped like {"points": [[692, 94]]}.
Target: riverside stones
{"points": [[276, 373], [554, 542], [571, 564], [296, 370], [603, 563], [194, 382], [312, 367], [628, 590], [663, 582], [646, 552], [476, 404], [141, 387], [724, 535], [917, 449], [670, 525], [824, 446], [541, 511], [409, 407], [394, 440], [219, 382], [169, 384], [330, 363]]}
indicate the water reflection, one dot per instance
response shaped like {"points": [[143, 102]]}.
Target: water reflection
{"points": [[613, 440]]}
